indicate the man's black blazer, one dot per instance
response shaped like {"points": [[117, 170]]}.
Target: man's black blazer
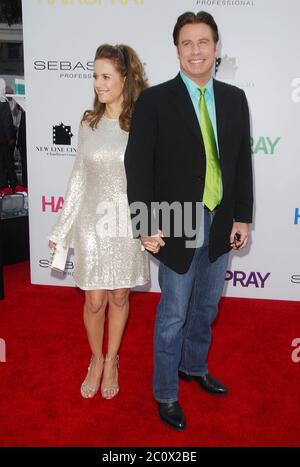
{"points": [[165, 161]]}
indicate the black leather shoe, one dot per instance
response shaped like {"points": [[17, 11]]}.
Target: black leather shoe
{"points": [[207, 382], [185, 376], [172, 415]]}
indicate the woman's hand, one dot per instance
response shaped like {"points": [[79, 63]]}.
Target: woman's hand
{"points": [[51, 245], [154, 243]]}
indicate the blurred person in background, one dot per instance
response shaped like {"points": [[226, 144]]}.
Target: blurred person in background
{"points": [[8, 178]]}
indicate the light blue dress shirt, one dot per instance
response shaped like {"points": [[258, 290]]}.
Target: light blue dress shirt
{"points": [[194, 93]]}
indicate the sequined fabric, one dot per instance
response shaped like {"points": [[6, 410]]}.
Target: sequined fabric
{"points": [[95, 217]]}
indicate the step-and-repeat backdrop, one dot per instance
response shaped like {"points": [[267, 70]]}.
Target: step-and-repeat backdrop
{"points": [[259, 52]]}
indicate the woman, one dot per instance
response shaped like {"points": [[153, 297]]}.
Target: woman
{"points": [[106, 265]]}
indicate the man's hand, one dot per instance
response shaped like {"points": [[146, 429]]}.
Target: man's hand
{"points": [[153, 243], [239, 235]]}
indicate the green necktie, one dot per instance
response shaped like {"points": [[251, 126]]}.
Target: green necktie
{"points": [[212, 188]]}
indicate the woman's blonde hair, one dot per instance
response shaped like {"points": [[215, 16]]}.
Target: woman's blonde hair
{"points": [[128, 64]]}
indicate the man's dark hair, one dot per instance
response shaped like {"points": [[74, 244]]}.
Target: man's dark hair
{"points": [[192, 18]]}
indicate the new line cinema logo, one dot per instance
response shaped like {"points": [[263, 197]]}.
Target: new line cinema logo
{"points": [[61, 142]]}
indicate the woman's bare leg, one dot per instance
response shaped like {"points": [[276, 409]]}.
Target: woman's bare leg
{"points": [[94, 319], [117, 318]]}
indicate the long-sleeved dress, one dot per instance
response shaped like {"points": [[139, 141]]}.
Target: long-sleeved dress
{"points": [[95, 218]]}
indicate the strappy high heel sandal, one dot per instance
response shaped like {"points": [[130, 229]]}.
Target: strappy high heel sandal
{"points": [[87, 391], [109, 392]]}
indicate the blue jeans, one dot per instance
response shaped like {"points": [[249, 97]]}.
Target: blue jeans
{"points": [[187, 308]]}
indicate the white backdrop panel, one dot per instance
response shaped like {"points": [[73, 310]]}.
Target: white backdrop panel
{"points": [[259, 51]]}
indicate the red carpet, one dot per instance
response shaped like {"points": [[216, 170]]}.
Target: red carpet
{"points": [[47, 356]]}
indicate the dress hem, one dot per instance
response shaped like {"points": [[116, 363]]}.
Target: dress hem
{"points": [[98, 287]]}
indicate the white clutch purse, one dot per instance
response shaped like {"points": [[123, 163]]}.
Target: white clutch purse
{"points": [[59, 257]]}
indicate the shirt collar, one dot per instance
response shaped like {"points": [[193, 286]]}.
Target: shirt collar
{"points": [[193, 88]]}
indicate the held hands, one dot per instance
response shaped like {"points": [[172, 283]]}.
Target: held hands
{"points": [[239, 235], [153, 243]]}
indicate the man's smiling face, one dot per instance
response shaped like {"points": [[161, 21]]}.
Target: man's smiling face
{"points": [[197, 52]]}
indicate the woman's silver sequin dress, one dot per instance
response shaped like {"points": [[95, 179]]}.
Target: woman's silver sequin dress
{"points": [[95, 218]]}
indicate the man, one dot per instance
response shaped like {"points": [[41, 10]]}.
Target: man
{"points": [[21, 144], [190, 142], [16, 115], [7, 136]]}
